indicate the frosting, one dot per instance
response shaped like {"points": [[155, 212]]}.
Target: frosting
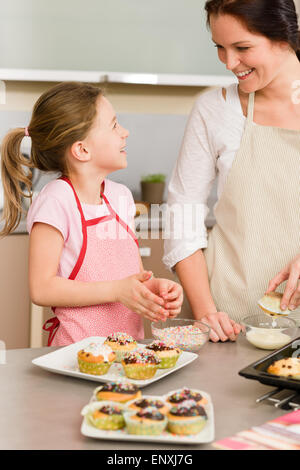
{"points": [[146, 402], [150, 413], [183, 395], [141, 356], [121, 338], [99, 349], [110, 410], [188, 408], [119, 387], [158, 345]]}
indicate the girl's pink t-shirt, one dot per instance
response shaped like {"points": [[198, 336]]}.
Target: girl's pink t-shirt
{"points": [[55, 205]]}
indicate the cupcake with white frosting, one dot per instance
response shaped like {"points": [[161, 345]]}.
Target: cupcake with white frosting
{"points": [[95, 359], [120, 343]]}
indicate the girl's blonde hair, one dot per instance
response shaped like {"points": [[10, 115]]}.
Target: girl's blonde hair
{"points": [[60, 117]]}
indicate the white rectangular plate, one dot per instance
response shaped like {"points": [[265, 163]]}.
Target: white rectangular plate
{"points": [[206, 435], [64, 361]]}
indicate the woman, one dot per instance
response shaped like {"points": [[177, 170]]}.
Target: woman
{"points": [[248, 134]]}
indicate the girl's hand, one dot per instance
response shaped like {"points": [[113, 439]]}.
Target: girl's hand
{"points": [[222, 327], [291, 295], [171, 292], [134, 294]]}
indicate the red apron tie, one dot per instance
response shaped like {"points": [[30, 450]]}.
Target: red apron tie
{"points": [[54, 324]]}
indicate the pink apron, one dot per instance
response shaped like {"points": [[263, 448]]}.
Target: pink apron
{"points": [[109, 252]]}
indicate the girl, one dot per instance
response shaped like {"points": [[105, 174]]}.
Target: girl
{"points": [[249, 135], [83, 256]]}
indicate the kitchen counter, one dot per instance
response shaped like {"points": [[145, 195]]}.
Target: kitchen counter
{"points": [[41, 410]]}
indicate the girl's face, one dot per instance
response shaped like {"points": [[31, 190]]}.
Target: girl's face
{"points": [[254, 59], [106, 140]]}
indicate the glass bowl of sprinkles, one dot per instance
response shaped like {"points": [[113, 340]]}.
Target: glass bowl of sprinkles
{"points": [[186, 334]]}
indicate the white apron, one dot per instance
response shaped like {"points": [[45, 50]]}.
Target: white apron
{"points": [[257, 229]]}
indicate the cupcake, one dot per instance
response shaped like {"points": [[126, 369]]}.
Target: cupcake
{"points": [[105, 415], [186, 418], [148, 421], [288, 367], [146, 402], [120, 392], [121, 343], [167, 353], [270, 304], [95, 359], [140, 364], [178, 396]]}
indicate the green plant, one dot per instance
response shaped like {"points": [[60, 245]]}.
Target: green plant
{"points": [[155, 178]]}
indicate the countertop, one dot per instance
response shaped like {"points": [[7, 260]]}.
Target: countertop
{"points": [[41, 410]]}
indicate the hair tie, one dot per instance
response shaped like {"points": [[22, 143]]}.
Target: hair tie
{"points": [[26, 132]]}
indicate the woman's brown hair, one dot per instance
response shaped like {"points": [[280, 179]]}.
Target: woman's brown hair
{"points": [[275, 19], [60, 117]]}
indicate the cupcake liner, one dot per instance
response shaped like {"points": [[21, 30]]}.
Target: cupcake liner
{"points": [[168, 362], [94, 368], [109, 422], [144, 428], [187, 426], [140, 371]]}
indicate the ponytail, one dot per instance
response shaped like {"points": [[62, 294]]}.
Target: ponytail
{"points": [[15, 178], [61, 116]]}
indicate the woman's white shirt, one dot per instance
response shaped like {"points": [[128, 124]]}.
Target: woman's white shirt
{"points": [[211, 140]]}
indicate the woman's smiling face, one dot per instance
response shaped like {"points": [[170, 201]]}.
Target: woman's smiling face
{"points": [[253, 58]]}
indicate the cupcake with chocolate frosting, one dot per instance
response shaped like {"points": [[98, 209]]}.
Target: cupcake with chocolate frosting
{"points": [[121, 392], [149, 421], [105, 415], [186, 418], [176, 397], [167, 353], [95, 359], [140, 364], [120, 343], [145, 402]]}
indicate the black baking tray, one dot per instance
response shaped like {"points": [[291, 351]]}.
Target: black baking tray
{"points": [[258, 370]]}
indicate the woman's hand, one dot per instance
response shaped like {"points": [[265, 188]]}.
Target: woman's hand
{"points": [[134, 293], [171, 292], [291, 295], [222, 327]]}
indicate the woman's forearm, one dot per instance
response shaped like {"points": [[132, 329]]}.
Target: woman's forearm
{"points": [[61, 292], [192, 272]]}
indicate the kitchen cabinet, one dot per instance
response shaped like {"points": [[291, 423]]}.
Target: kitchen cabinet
{"points": [[15, 300]]}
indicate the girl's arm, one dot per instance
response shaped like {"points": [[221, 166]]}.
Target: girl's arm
{"points": [[192, 272], [48, 289]]}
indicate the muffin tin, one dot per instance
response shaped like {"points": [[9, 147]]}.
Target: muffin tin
{"points": [[258, 370]]}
